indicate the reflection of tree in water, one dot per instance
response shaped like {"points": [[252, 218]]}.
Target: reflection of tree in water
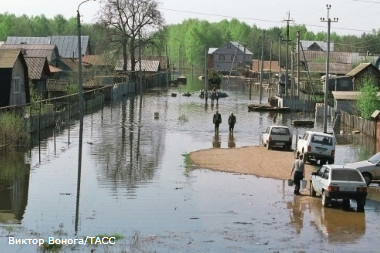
{"points": [[131, 142], [14, 184]]}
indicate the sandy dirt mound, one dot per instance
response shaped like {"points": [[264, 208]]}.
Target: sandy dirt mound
{"points": [[248, 160]]}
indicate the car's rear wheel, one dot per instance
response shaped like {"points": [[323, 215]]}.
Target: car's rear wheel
{"points": [[268, 146], [325, 199], [367, 177], [313, 193], [331, 161], [360, 205]]}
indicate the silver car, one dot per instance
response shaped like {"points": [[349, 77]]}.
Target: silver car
{"points": [[370, 168], [339, 182]]}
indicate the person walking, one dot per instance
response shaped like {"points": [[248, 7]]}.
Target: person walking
{"points": [[217, 119], [298, 168], [231, 121]]}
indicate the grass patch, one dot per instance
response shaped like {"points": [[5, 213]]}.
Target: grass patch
{"points": [[188, 164], [12, 132]]}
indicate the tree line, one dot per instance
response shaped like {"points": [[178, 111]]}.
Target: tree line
{"points": [[188, 41]]}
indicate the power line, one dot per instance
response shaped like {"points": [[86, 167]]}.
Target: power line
{"points": [[265, 20]]}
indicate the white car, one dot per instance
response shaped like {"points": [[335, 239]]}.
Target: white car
{"points": [[339, 182], [370, 168], [317, 146], [277, 136]]}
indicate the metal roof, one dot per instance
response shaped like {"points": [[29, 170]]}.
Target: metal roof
{"points": [[146, 65], [322, 44], [27, 40], [67, 45]]}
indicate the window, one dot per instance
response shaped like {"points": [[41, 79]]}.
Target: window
{"points": [[221, 57], [16, 85], [346, 175]]}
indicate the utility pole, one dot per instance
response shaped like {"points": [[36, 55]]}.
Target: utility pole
{"points": [[287, 52], [279, 63], [270, 62], [298, 63], [328, 20], [261, 69]]}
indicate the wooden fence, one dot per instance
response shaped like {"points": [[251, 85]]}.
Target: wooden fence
{"points": [[365, 126]]}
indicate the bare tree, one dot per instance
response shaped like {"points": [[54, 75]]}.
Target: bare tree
{"points": [[130, 22]]}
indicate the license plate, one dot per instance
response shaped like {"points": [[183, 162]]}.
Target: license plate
{"points": [[348, 189], [280, 143], [321, 149]]}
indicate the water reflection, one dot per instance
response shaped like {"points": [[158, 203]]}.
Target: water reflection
{"points": [[339, 225], [216, 142], [297, 207], [231, 140], [14, 183]]}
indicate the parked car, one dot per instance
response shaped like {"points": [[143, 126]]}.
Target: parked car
{"points": [[317, 146], [277, 136], [339, 182], [370, 168]]}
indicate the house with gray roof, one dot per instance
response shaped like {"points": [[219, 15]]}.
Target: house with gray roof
{"points": [[230, 56], [67, 45], [312, 45]]}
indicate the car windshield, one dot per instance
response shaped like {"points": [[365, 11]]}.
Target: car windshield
{"points": [[280, 131], [346, 175], [322, 140], [374, 159]]}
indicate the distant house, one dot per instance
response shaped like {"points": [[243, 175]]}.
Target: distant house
{"points": [[340, 62], [362, 71], [346, 100], [39, 72], [312, 45], [67, 45], [148, 67], [14, 83], [232, 56]]}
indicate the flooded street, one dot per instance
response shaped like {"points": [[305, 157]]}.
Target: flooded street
{"points": [[134, 183]]}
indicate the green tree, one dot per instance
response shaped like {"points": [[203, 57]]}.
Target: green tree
{"points": [[368, 101]]}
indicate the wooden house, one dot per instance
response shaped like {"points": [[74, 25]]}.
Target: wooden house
{"points": [[39, 72], [362, 71], [14, 82], [148, 67], [232, 56], [346, 100]]}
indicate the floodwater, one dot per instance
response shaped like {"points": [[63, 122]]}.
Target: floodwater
{"points": [[134, 183]]}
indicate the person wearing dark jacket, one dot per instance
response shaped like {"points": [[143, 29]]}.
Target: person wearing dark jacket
{"points": [[231, 121], [217, 119]]}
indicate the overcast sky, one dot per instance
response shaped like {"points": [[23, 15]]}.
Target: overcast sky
{"points": [[355, 16]]}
